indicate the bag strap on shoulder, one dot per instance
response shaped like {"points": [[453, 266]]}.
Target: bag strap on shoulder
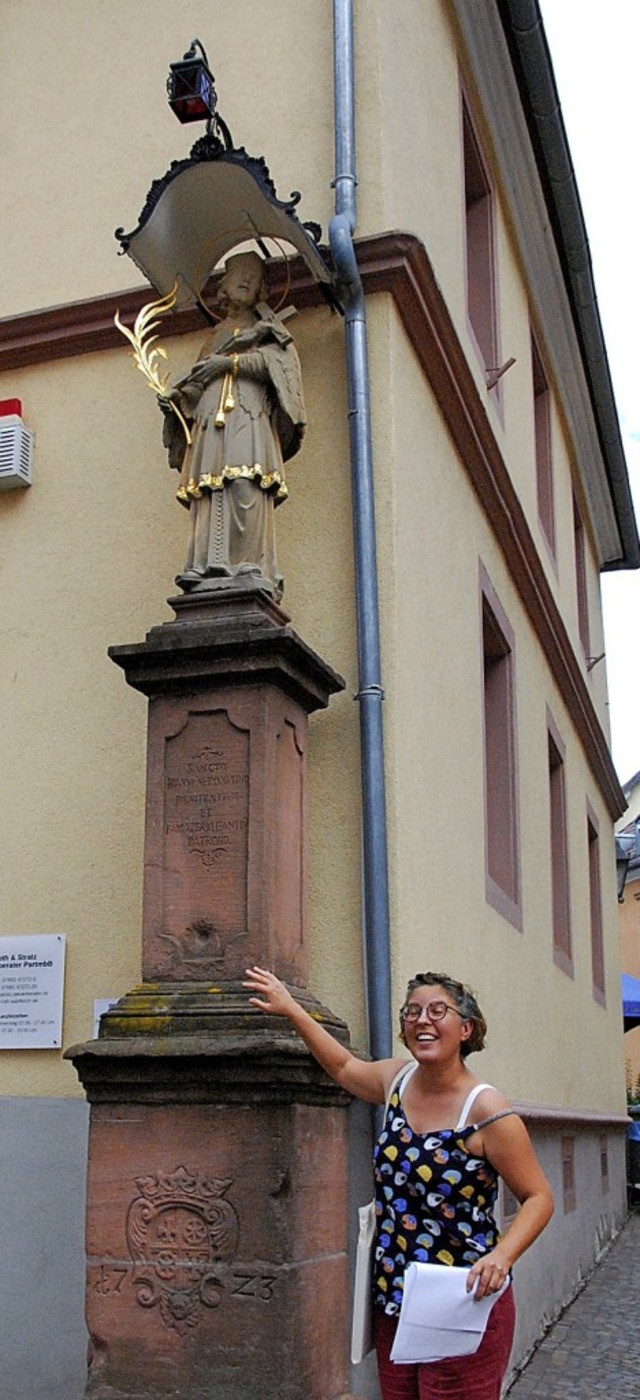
{"points": [[402, 1074]]}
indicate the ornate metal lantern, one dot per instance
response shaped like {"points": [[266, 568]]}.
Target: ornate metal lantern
{"points": [[190, 87], [214, 200]]}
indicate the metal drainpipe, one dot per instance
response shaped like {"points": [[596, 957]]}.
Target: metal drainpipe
{"points": [[376, 950]]}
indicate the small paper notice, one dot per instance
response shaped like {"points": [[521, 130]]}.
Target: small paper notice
{"points": [[100, 1005]]}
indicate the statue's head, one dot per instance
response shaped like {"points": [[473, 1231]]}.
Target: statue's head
{"points": [[243, 282]]}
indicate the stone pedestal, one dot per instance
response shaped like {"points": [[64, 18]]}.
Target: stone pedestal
{"points": [[216, 1214], [230, 686]]}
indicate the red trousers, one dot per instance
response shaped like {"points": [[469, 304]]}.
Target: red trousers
{"points": [[477, 1377]]}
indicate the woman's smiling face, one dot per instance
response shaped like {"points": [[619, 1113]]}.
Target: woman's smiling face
{"points": [[430, 1020]]}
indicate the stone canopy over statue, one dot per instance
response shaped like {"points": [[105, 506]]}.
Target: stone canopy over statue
{"points": [[243, 404]]}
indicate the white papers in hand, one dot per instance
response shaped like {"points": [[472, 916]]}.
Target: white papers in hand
{"points": [[438, 1318]]}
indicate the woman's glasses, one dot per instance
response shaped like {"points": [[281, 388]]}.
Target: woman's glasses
{"points": [[433, 1011]]}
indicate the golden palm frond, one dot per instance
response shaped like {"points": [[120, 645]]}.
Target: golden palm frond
{"points": [[147, 354]]}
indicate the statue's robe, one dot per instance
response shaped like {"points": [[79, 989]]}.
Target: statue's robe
{"points": [[232, 474]]}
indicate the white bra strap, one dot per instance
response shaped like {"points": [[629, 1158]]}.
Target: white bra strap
{"points": [[468, 1105]]}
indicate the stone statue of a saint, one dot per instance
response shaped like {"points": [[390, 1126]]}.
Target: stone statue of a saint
{"points": [[244, 406]]}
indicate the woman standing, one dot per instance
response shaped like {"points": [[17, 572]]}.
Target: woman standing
{"points": [[446, 1141]]}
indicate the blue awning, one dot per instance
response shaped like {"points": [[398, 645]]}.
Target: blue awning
{"points": [[630, 1001]]}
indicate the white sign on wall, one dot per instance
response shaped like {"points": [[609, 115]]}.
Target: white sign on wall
{"points": [[31, 991]]}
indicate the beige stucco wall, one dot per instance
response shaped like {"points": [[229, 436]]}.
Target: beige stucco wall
{"points": [[629, 911], [90, 552], [90, 126], [99, 129], [89, 557], [436, 796], [421, 52]]}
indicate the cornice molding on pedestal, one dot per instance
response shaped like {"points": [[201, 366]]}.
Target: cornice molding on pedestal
{"points": [[396, 264], [200, 1042], [234, 635]]}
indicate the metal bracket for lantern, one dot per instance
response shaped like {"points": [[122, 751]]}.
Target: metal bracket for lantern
{"points": [[216, 199], [203, 207]]}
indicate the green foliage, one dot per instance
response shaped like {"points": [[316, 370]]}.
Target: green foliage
{"points": [[633, 1091]]}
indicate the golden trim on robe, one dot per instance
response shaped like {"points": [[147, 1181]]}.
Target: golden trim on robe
{"points": [[268, 481]]}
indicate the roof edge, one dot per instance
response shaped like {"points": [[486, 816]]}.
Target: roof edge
{"points": [[533, 70]]}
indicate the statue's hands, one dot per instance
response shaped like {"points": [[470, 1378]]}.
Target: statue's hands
{"points": [[262, 331], [165, 404], [205, 370], [273, 995], [254, 335]]}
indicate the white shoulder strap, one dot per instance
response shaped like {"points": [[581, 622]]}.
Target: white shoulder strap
{"points": [[468, 1105]]}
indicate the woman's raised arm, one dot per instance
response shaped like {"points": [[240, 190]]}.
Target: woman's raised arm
{"points": [[364, 1079]]}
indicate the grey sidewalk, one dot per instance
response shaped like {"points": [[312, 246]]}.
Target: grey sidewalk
{"points": [[594, 1349]]}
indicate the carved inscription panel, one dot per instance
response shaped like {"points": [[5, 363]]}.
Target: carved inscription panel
{"points": [[206, 835]]}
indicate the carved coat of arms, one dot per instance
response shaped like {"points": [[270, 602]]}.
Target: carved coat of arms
{"points": [[178, 1228]]}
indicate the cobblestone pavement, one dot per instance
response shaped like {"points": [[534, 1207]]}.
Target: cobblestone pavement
{"points": [[594, 1348]]}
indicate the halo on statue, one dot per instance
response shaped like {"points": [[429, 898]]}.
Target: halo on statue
{"points": [[244, 245]]}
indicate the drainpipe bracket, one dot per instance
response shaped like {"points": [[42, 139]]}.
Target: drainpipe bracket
{"points": [[375, 690]]}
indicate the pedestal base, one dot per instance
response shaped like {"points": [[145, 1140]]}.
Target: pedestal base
{"points": [[212, 1270], [216, 1204]]}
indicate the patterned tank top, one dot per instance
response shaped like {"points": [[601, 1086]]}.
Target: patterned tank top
{"points": [[434, 1202]]}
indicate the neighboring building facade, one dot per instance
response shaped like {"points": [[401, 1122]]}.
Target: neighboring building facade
{"points": [[501, 494], [630, 922]]}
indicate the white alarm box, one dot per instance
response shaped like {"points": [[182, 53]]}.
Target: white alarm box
{"points": [[16, 453]]}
